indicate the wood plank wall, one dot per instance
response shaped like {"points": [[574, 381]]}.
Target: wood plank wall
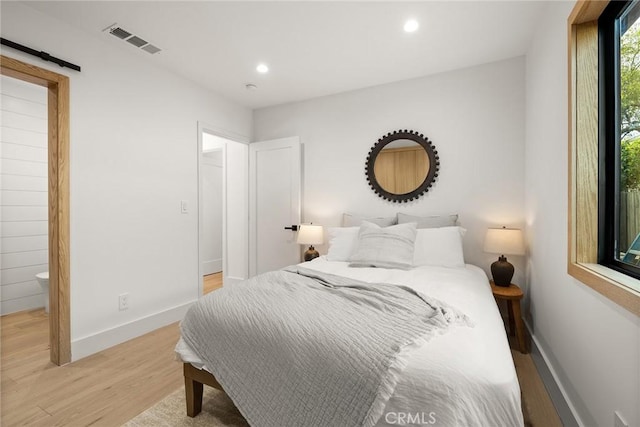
{"points": [[23, 194]]}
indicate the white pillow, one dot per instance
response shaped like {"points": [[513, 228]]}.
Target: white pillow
{"points": [[342, 242], [349, 220], [440, 247], [432, 221], [388, 247]]}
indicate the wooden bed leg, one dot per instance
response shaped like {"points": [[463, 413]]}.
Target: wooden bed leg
{"points": [[193, 393], [194, 379]]}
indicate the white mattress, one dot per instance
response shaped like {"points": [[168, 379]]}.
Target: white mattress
{"points": [[464, 377]]}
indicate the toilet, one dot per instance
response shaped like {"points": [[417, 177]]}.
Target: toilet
{"points": [[43, 280]]}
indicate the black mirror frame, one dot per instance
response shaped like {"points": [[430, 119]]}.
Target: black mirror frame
{"points": [[434, 165]]}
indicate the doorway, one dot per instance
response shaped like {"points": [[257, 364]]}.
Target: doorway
{"points": [[222, 208], [211, 181], [23, 200], [57, 87]]}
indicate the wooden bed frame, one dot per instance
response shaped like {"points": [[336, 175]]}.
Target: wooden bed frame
{"points": [[194, 379]]}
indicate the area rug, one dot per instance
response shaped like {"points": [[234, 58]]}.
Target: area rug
{"points": [[217, 411]]}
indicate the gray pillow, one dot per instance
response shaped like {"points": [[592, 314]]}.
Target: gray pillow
{"points": [[349, 220], [389, 247], [434, 221]]}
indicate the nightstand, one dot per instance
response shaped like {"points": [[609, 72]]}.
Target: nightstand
{"points": [[512, 294]]}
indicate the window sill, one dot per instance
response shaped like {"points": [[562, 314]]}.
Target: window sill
{"points": [[618, 287]]}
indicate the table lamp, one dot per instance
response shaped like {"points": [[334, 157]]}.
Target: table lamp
{"points": [[503, 241], [310, 234]]}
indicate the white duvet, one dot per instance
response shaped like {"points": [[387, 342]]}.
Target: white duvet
{"points": [[465, 377]]}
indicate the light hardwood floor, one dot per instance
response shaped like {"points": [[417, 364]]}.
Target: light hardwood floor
{"points": [[211, 282], [105, 389], [115, 385]]}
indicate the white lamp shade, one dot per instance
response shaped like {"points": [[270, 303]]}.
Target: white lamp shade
{"points": [[504, 241], [310, 234]]}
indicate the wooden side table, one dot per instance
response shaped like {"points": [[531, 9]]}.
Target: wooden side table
{"points": [[512, 294]]}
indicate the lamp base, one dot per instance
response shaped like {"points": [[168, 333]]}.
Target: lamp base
{"points": [[310, 254], [502, 272]]}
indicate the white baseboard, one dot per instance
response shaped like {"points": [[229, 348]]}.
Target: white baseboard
{"points": [[231, 279], [565, 409], [92, 344]]}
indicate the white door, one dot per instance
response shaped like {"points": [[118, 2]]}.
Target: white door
{"points": [[274, 184]]}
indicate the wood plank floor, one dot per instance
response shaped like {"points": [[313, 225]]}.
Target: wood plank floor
{"points": [[541, 411], [211, 282], [113, 386], [105, 389]]}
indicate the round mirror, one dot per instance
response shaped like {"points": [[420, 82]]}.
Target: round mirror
{"points": [[402, 166]]}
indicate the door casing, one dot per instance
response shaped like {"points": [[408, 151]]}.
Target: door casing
{"points": [[58, 211]]}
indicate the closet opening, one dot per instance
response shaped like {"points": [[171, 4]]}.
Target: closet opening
{"points": [[24, 184]]}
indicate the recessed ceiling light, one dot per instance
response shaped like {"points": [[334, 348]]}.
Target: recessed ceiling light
{"points": [[262, 68], [411, 25]]}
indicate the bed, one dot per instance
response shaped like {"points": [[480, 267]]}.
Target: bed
{"points": [[462, 377]]}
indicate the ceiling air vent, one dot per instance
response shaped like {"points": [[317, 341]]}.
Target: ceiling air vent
{"points": [[137, 41], [122, 34], [151, 48]]}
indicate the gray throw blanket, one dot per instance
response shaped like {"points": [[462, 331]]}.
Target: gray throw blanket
{"points": [[297, 347]]}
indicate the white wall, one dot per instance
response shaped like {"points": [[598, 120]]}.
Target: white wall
{"points": [[212, 168], [24, 238], [592, 344], [133, 159], [475, 118]]}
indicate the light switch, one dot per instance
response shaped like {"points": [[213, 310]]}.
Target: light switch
{"points": [[184, 207]]}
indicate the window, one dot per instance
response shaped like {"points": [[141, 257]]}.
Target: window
{"points": [[599, 135], [619, 137]]}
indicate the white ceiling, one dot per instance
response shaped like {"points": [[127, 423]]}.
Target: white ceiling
{"points": [[312, 48]]}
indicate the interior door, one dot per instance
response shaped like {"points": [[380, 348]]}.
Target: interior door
{"points": [[275, 203]]}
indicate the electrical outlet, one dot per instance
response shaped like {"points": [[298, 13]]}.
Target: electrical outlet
{"points": [[619, 420], [123, 302]]}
